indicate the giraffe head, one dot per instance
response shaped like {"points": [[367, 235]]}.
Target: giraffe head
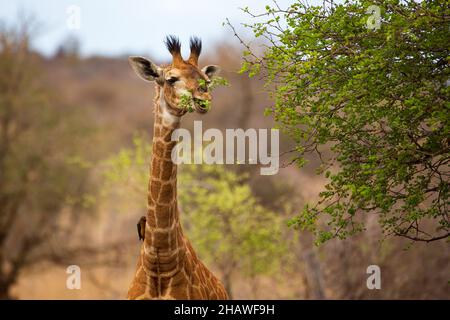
{"points": [[181, 79]]}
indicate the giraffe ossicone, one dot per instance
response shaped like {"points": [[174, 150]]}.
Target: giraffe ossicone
{"points": [[168, 267]]}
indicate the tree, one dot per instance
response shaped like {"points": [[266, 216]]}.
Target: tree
{"points": [[229, 227], [377, 96], [69, 48], [225, 222], [43, 181]]}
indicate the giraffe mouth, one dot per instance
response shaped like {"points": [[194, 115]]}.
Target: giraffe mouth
{"points": [[202, 106]]}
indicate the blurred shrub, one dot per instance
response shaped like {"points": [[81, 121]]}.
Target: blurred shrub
{"points": [[229, 228]]}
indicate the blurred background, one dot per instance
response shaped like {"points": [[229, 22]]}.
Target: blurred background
{"points": [[76, 127]]}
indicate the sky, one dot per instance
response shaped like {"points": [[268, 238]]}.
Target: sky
{"points": [[118, 27]]}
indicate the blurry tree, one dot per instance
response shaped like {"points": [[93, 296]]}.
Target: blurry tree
{"points": [[69, 48], [228, 227], [43, 182], [376, 91], [227, 224]]}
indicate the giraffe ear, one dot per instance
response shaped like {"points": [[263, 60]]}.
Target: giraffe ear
{"points": [[211, 70], [145, 69]]}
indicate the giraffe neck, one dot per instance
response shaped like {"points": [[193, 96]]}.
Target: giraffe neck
{"points": [[163, 232]]}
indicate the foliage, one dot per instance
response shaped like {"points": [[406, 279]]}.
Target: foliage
{"points": [[379, 99], [128, 168], [187, 100], [226, 222]]}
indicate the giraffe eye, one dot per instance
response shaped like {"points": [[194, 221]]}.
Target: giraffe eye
{"points": [[172, 80]]}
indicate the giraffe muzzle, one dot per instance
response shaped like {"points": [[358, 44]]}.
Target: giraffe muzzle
{"points": [[201, 105]]}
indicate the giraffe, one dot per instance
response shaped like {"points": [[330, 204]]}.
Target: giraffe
{"points": [[168, 267]]}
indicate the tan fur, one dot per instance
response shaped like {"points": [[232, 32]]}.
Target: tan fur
{"points": [[168, 267]]}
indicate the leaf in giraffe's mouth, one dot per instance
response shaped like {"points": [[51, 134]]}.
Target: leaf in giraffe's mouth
{"points": [[192, 104], [201, 105], [187, 102]]}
